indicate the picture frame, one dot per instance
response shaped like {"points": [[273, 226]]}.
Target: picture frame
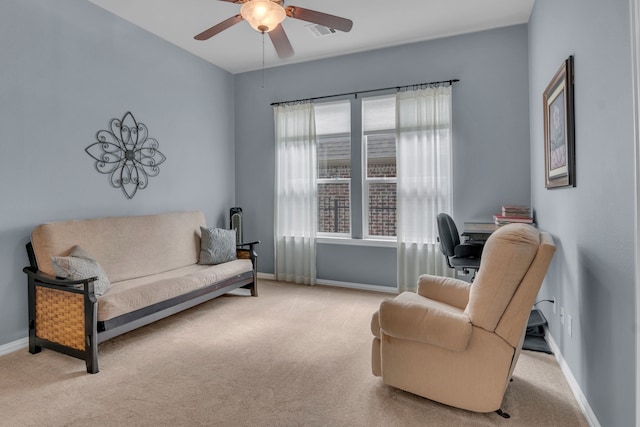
{"points": [[559, 129]]}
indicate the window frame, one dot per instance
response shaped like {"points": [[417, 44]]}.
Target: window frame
{"points": [[336, 180], [358, 152], [366, 181]]}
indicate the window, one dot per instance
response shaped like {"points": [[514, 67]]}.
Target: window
{"points": [[378, 155], [379, 162], [333, 133]]}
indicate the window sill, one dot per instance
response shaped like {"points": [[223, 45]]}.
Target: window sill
{"points": [[348, 241]]}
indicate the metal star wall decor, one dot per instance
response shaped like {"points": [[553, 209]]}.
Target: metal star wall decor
{"points": [[127, 154]]}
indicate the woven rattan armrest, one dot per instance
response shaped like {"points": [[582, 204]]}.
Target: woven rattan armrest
{"points": [[62, 315]]}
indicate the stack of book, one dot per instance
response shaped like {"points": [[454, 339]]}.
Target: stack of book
{"points": [[512, 214]]}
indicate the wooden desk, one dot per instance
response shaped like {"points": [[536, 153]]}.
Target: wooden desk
{"points": [[478, 232]]}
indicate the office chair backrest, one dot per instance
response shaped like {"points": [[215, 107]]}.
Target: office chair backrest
{"points": [[448, 233]]}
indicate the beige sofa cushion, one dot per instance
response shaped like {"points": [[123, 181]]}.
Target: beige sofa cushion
{"points": [[130, 295], [126, 247]]}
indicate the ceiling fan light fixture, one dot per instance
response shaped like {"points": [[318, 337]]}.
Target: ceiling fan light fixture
{"points": [[263, 15]]}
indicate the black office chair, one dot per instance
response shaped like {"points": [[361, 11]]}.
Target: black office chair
{"points": [[463, 257]]}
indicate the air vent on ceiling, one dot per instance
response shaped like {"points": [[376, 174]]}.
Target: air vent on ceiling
{"points": [[320, 30]]}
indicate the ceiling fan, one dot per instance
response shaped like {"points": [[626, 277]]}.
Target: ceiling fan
{"points": [[266, 16]]}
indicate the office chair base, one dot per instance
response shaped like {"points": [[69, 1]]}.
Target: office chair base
{"points": [[466, 272]]}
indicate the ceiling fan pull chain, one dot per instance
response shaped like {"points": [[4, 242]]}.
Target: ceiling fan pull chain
{"points": [[263, 60]]}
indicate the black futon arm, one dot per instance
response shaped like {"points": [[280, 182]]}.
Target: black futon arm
{"points": [[250, 246]]}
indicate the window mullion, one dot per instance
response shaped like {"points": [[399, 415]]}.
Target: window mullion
{"points": [[357, 223]]}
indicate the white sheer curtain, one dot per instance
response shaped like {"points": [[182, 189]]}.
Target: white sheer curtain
{"points": [[295, 194], [423, 137]]}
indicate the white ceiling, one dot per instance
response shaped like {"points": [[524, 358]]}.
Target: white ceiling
{"points": [[376, 24]]}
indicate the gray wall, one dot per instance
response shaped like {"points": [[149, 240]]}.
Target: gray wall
{"points": [[67, 68], [592, 273], [491, 132]]}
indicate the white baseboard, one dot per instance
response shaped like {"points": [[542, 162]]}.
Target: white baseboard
{"points": [[20, 344], [573, 383], [350, 285], [361, 286]]}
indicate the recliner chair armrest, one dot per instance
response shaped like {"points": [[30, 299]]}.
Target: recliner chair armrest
{"points": [[448, 290], [412, 317]]}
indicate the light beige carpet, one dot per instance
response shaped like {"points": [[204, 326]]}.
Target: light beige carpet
{"points": [[294, 356]]}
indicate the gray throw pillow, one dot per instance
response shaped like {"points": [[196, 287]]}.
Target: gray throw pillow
{"points": [[80, 265], [217, 246]]}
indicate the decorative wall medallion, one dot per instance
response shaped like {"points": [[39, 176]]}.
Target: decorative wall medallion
{"points": [[127, 154]]}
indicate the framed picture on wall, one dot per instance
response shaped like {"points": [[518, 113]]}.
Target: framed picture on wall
{"points": [[559, 144]]}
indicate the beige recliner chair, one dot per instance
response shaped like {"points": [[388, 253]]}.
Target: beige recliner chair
{"points": [[455, 342]]}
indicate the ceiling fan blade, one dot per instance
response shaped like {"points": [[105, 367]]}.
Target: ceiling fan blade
{"points": [[207, 34], [281, 42], [331, 21]]}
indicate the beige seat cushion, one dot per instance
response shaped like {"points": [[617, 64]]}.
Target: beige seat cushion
{"points": [[130, 295]]}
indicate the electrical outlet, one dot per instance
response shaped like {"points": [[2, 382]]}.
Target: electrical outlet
{"points": [[562, 316], [570, 325]]}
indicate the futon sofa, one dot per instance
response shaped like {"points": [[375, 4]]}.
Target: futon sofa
{"points": [[142, 268]]}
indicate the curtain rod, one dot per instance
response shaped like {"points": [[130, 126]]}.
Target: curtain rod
{"points": [[367, 91]]}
